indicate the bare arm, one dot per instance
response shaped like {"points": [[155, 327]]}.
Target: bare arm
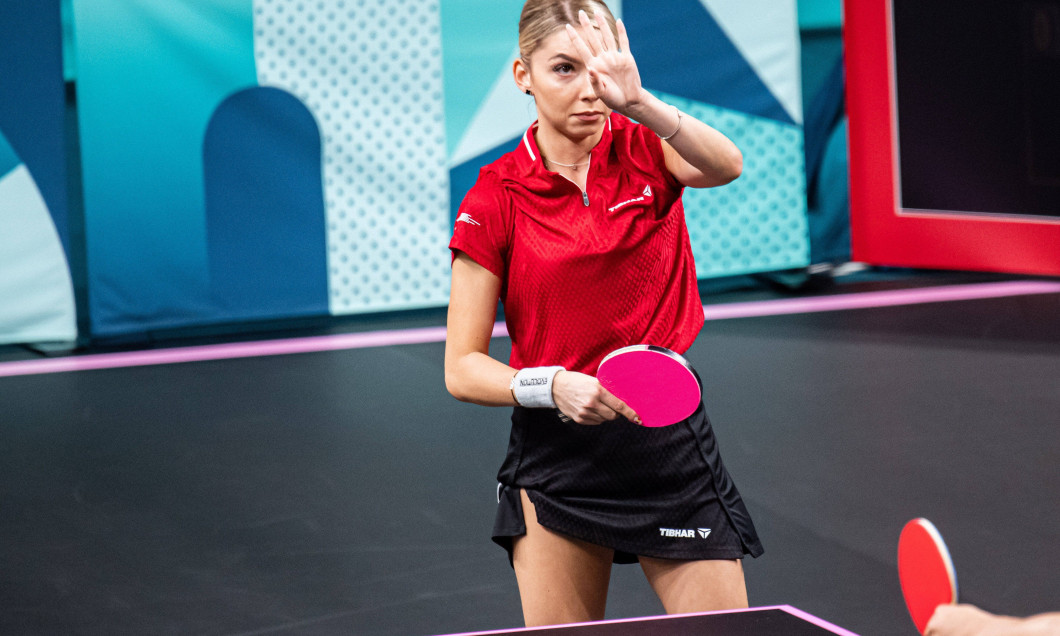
{"points": [[698, 156], [471, 375]]}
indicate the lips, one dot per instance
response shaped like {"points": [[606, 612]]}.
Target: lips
{"points": [[591, 115]]}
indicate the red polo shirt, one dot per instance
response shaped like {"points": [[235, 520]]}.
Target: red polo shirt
{"points": [[579, 281]]}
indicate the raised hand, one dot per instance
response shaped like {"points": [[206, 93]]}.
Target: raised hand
{"points": [[612, 70]]}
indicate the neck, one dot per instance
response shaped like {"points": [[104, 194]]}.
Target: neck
{"points": [[559, 149]]}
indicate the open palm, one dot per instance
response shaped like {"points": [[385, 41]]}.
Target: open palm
{"points": [[612, 70]]}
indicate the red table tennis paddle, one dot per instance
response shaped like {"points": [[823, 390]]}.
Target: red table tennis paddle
{"points": [[925, 571], [658, 384]]}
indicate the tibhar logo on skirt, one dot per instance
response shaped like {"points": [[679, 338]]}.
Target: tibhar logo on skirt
{"points": [[684, 533]]}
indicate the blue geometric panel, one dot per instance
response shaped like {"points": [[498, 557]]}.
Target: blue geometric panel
{"points": [[265, 207], [706, 66], [32, 102], [8, 159], [758, 222], [766, 34], [463, 176]]}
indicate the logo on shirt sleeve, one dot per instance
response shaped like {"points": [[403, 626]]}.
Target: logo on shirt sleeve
{"points": [[466, 218]]}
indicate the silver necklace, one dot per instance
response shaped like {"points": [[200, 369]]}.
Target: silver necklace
{"points": [[573, 166]]}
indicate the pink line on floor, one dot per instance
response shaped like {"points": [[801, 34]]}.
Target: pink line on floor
{"points": [[890, 298], [225, 351], [362, 340]]}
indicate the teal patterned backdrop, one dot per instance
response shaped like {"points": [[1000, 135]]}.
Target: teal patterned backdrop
{"points": [[264, 159]]}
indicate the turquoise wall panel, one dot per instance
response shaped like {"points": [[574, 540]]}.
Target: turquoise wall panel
{"points": [[150, 75], [409, 97]]}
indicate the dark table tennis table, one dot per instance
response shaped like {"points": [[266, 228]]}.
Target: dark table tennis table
{"points": [[778, 620]]}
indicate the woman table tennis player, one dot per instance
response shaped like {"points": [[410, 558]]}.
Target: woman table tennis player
{"points": [[580, 232]]}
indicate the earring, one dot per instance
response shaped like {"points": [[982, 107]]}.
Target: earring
{"points": [[529, 93]]}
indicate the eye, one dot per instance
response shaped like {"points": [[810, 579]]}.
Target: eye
{"points": [[563, 68]]}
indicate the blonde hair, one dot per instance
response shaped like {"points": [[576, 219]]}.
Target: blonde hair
{"points": [[540, 18]]}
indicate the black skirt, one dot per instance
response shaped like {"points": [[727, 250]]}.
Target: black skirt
{"points": [[656, 492]]}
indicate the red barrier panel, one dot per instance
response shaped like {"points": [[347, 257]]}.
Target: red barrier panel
{"points": [[886, 232]]}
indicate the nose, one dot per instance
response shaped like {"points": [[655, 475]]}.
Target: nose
{"points": [[587, 92]]}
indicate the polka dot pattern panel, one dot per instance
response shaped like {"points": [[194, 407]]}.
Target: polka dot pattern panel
{"points": [[758, 222], [370, 71]]}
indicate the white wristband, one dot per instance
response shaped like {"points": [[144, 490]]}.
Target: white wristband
{"points": [[532, 387]]}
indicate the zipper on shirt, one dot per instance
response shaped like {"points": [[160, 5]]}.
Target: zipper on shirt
{"points": [[585, 194]]}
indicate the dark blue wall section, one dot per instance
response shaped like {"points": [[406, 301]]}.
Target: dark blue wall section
{"points": [[32, 102], [463, 176], [265, 219], [678, 70]]}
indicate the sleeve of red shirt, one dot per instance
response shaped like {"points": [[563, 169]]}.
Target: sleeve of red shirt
{"points": [[479, 230]]}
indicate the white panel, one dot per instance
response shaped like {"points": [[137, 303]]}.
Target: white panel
{"points": [[766, 32], [37, 294], [505, 114], [371, 73]]}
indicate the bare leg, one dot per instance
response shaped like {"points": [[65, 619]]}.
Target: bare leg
{"points": [[696, 586], [561, 579]]}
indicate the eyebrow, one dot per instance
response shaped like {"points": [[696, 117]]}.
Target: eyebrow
{"points": [[563, 56]]}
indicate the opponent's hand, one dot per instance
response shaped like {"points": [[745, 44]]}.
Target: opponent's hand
{"points": [[612, 70], [582, 398], [968, 620]]}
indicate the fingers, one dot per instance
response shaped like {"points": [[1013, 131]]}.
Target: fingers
{"points": [[591, 412], [623, 36], [597, 407], [581, 398], [579, 43], [590, 33], [619, 407], [606, 36], [596, 40]]}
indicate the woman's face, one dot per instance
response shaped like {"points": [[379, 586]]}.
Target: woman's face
{"points": [[560, 83]]}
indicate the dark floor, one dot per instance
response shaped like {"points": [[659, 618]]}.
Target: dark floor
{"points": [[347, 493]]}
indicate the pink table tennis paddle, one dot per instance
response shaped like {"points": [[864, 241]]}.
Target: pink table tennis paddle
{"points": [[925, 571], [658, 384]]}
